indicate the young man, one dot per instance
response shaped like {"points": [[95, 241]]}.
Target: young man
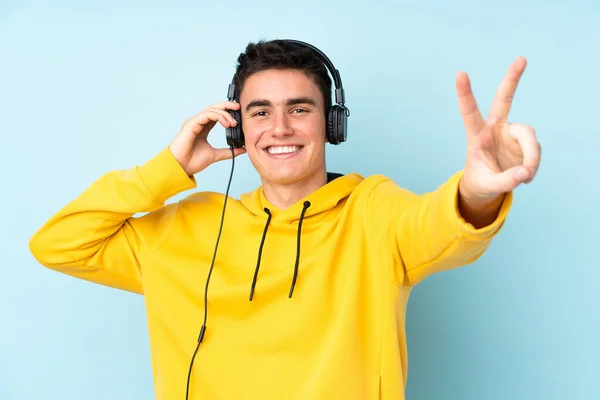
{"points": [[308, 289]]}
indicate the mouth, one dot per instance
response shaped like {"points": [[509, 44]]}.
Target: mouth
{"points": [[283, 151]]}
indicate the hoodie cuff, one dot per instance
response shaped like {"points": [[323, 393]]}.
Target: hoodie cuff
{"points": [[164, 177], [459, 223]]}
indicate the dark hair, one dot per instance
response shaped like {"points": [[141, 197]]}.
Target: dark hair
{"points": [[279, 54]]}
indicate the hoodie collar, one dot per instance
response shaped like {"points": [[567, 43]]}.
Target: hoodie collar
{"points": [[337, 188], [321, 200]]}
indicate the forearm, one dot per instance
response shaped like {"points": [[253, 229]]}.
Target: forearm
{"points": [[434, 234]]}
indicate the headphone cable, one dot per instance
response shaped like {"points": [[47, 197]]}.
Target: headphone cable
{"points": [[203, 329]]}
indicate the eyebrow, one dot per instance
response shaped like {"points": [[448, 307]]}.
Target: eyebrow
{"points": [[290, 102]]}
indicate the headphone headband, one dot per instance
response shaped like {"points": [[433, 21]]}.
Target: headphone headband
{"points": [[337, 79], [340, 97]]}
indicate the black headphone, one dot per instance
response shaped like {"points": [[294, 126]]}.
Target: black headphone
{"points": [[337, 116]]}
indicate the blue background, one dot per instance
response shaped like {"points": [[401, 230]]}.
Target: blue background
{"points": [[85, 89]]}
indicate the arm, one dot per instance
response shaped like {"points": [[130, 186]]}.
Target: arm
{"points": [[96, 237], [428, 232], [455, 224]]}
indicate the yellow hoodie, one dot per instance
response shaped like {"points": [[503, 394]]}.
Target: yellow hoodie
{"points": [[362, 245]]}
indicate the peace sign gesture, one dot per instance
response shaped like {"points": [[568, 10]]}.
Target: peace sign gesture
{"points": [[500, 155]]}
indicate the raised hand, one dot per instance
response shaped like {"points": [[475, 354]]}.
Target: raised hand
{"points": [[500, 155], [190, 146]]}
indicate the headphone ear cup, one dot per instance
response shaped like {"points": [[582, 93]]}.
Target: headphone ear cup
{"points": [[336, 125], [329, 130], [235, 134]]}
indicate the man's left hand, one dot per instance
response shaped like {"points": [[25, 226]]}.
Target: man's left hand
{"points": [[500, 155]]}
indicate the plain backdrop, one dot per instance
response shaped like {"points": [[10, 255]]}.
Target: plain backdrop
{"points": [[88, 87]]}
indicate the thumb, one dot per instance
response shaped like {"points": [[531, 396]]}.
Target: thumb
{"points": [[508, 180], [225, 154]]}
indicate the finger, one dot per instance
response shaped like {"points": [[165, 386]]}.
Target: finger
{"points": [[207, 116], [226, 114], [225, 154], [506, 91], [509, 179], [226, 105], [468, 106], [530, 147], [223, 106]]}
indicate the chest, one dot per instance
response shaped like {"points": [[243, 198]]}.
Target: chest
{"points": [[331, 263]]}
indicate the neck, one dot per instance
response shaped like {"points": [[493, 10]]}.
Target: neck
{"points": [[284, 195]]}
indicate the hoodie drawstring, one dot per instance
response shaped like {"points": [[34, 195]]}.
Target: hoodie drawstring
{"points": [[306, 205], [262, 242]]}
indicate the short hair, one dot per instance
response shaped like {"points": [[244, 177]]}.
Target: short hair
{"points": [[281, 54]]}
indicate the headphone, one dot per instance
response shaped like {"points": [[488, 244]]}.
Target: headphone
{"points": [[337, 115]]}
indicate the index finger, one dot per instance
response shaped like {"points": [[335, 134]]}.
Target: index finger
{"points": [[226, 105], [468, 105], [506, 91]]}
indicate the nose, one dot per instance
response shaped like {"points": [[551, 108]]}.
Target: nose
{"points": [[281, 125]]}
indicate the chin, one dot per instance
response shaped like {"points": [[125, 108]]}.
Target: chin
{"points": [[284, 171], [284, 176]]}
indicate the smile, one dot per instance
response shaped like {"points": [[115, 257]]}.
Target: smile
{"points": [[283, 151]]}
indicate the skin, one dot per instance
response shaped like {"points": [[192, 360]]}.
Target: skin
{"points": [[285, 107], [500, 155]]}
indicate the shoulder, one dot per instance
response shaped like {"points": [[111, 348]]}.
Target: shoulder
{"points": [[381, 200], [202, 198], [207, 203], [379, 187]]}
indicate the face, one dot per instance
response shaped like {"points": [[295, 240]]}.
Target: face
{"points": [[283, 120]]}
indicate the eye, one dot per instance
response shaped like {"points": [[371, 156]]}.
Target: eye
{"points": [[259, 114], [299, 110]]}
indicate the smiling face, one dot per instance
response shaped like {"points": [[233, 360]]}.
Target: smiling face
{"points": [[283, 119]]}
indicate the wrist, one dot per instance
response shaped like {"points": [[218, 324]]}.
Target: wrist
{"points": [[477, 209], [179, 156], [164, 177]]}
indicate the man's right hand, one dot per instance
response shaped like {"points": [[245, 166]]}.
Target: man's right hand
{"points": [[191, 148]]}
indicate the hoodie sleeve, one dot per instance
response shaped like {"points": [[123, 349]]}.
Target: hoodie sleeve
{"points": [[427, 232], [96, 236]]}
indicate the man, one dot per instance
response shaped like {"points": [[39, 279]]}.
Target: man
{"points": [[306, 296]]}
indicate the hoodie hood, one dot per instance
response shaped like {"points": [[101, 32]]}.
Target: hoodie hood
{"points": [[319, 202]]}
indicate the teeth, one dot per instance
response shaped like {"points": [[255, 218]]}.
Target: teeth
{"points": [[283, 149]]}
